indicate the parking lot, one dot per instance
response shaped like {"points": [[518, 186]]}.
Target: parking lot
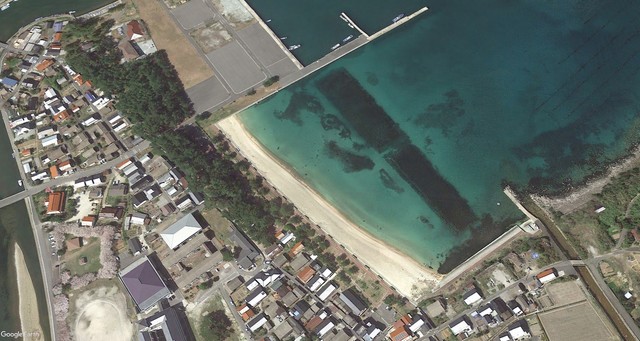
{"points": [[207, 94], [236, 67], [192, 14]]}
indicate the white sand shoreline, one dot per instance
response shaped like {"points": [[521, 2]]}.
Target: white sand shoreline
{"points": [[401, 271], [28, 302]]}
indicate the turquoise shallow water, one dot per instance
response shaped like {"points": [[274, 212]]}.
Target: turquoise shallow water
{"points": [[539, 95]]}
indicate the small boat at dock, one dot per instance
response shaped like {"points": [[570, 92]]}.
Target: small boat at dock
{"points": [[20, 183], [347, 39], [294, 47], [400, 16], [335, 47], [5, 7], [283, 38], [268, 20]]}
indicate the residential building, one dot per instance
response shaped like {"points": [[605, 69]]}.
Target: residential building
{"points": [[255, 297], [88, 221], [264, 279], [305, 274], [472, 296], [461, 325], [352, 301], [134, 30], [248, 251], [519, 330], [326, 291], [134, 246], [111, 212], [164, 325], [547, 276], [257, 322]]}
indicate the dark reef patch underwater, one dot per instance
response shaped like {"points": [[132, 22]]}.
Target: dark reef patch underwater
{"points": [[415, 134]]}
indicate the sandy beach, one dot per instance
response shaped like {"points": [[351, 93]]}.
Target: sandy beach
{"points": [[29, 318], [404, 273]]}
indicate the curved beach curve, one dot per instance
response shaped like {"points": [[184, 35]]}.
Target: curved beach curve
{"points": [[404, 273], [29, 318]]}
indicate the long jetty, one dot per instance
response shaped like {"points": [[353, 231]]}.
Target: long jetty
{"points": [[401, 21]]}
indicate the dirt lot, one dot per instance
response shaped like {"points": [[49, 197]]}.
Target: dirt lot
{"points": [[191, 68], [101, 315], [234, 12], [211, 36]]}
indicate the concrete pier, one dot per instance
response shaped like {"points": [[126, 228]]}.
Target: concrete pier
{"points": [[512, 196], [102, 10], [346, 18], [273, 35], [397, 23]]}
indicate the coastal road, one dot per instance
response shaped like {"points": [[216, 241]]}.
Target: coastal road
{"points": [[46, 264], [75, 176]]}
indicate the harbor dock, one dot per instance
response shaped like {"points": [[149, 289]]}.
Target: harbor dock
{"points": [[273, 35]]}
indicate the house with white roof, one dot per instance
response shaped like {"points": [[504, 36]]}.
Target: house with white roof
{"points": [[472, 296], [461, 325], [519, 330], [255, 297], [326, 291], [257, 322]]}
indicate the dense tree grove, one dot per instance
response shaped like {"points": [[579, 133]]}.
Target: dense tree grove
{"points": [[149, 92], [217, 326]]}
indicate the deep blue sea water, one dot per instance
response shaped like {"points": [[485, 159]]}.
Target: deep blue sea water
{"points": [[539, 94], [316, 25]]}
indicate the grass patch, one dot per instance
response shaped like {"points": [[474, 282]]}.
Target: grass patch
{"points": [[91, 250], [214, 303], [218, 224]]}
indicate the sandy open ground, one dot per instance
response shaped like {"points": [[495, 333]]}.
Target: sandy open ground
{"points": [[102, 316], [29, 318], [84, 206], [191, 68], [407, 275]]}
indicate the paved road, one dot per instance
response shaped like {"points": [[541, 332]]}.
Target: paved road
{"points": [[9, 48], [75, 176], [46, 261], [564, 265], [592, 264]]}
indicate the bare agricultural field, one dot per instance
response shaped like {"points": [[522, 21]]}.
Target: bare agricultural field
{"points": [[211, 36], [577, 322], [565, 293], [191, 68]]}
